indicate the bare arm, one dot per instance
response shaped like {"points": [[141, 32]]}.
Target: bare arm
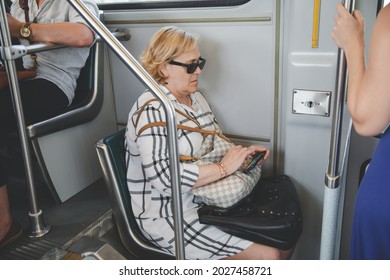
{"points": [[232, 161], [63, 33], [22, 75], [368, 87]]}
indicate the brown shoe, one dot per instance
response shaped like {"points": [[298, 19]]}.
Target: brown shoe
{"points": [[14, 232]]}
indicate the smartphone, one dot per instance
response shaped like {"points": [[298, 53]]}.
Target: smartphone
{"points": [[254, 161]]}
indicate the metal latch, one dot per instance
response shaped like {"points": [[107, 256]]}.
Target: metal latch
{"points": [[311, 102]]}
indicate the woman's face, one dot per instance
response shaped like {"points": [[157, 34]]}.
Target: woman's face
{"points": [[178, 81]]}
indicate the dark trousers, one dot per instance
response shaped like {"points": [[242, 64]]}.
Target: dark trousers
{"points": [[40, 98]]}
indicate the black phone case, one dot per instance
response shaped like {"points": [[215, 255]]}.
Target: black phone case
{"points": [[255, 160]]}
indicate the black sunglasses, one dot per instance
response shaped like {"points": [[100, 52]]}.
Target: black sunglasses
{"points": [[191, 68]]}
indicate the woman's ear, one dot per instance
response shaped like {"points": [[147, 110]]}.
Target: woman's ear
{"points": [[164, 69], [164, 72]]}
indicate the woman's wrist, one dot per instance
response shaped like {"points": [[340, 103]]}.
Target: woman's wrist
{"points": [[222, 170]]}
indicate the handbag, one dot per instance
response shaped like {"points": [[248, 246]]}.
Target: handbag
{"points": [[228, 190], [269, 215]]}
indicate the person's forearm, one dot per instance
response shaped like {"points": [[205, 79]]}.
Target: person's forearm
{"points": [[71, 34], [22, 75], [65, 33], [356, 69], [208, 173]]}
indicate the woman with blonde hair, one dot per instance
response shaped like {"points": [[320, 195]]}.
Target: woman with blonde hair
{"points": [[173, 59]]}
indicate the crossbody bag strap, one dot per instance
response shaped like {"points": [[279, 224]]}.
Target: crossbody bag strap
{"points": [[24, 6], [185, 127], [198, 129], [180, 126], [142, 108]]}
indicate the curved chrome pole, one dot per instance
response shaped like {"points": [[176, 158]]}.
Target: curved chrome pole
{"points": [[333, 174], [38, 228], [149, 82]]}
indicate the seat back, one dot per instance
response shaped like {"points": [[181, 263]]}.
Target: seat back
{"points": [[88, 100], [85, 81], [111, 154], [87, 106]]}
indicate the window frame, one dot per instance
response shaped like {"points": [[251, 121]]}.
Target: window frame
{"points": [[161, 4]]}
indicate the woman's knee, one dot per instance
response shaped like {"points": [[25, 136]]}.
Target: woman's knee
{"points": [[262, 252]]}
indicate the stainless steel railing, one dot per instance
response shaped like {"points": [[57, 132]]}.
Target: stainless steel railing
{"points": [[334, 170], [8, 53], [149, 82]]}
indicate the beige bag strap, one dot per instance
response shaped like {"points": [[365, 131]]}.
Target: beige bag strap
{"points": [[142, 108], [185, 127], [179, 126]]}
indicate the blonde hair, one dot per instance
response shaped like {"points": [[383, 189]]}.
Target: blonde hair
{"points": [[166, 44]]}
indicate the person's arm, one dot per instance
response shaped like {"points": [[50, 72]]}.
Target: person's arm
{"points": [[231, 162], [3, 80], [71, 34], [368, 87], [153, 147], [22, 75]]}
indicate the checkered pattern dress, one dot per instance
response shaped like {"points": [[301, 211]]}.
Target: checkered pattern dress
{"points": [[149, 181]]}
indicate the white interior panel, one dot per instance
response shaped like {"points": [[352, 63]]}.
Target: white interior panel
{"points": [[70, 155], [227, 80]]}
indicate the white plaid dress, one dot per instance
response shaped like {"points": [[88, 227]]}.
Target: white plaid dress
{"points": [[149, 181]]}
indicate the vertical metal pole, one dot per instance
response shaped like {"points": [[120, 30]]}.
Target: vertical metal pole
{"points": [[38, 228], [144, 77], [332, 176]]}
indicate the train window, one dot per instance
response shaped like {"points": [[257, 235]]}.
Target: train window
{"points": [[152, 4]]}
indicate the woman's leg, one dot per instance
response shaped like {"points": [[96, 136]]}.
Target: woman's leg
{"points": [[262, 252]]}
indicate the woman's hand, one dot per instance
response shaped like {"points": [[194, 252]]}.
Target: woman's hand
{"points": [[232, 161], [261, 149], [236, 156], [348, 31]]}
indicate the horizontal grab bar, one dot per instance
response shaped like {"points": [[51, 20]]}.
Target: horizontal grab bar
{"points": [[17, 51]]}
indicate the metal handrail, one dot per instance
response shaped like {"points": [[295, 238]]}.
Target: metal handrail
{"points": [[38, 227], [133, 65], [11, 52], [333, 173], [17, 51]]}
